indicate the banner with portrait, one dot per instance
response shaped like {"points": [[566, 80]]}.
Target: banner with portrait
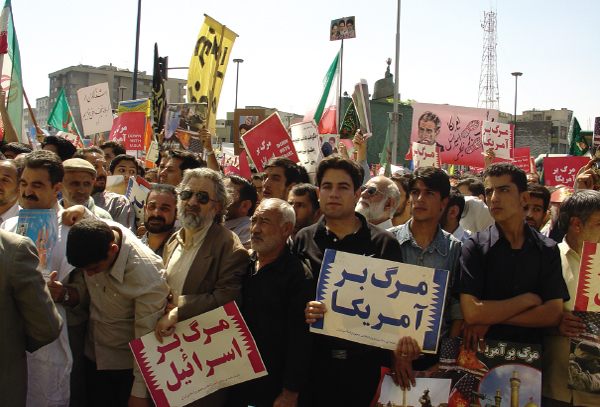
{"points": [[342, 28], [243, 121]]}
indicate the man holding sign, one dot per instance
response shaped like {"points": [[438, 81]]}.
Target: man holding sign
{"points": [[342, 372]]}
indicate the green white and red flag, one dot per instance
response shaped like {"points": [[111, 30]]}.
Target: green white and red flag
{"points": [[323, 110], [11, 80]]}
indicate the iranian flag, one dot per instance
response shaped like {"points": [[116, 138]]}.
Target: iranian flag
{"points": [[11, 80], [324, 109], [61, 119]]}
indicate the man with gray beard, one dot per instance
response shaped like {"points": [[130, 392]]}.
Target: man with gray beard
{"points": [[379, 198], [205, 261], [276, 288]]}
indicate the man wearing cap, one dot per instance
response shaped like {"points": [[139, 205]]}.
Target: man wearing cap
{"points": [[551, 229], [78, 183]]}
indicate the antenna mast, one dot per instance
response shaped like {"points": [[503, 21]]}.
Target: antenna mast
{"points": [[488, 80]]}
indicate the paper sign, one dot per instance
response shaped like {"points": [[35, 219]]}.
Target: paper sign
{"points": [[267, 140], [153, 152], [499, 137], [137, 192], [588, 287], [376, 302], [207, 353], [456, 130], [562, 170], [305, 137], [360, 97], [41, 226], [128, 129], [95, 108], [425, 156]]}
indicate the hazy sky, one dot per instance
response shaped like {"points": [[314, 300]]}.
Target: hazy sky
{"points": [[286, 49]]}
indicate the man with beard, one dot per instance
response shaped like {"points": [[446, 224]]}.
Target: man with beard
{"points": [[116, 205], [379, 198], [205, 261], [159, 214], [276, 288], [536, 209], [78, 183], [9, 190], [403, 211], [238, 215], [304, 198], [450, 220]]}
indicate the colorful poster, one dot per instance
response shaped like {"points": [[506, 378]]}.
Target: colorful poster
{"points": [[208, 66], [432, 389], [41, 226], [128, 129], [137, 192], [588, 286], [455, 130], [95, 108], [584, 356], [506, 371], [562, 170], [342, 28], [500, 138], [131, 106], [206, 353], [425, 156], [376, 302], [183, 124], [243, 121], [305, 137], [267, 140]]}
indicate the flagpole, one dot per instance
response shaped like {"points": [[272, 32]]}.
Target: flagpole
{"points": [[339, 108], [394, 132], [137, 50]]}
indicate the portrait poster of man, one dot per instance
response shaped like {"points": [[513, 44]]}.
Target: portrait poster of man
{"points": [[342, 28], [584, 357], [184, 122], [243, 121], [455, 130]]}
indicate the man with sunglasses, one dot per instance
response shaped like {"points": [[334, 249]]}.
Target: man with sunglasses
{"points": [[205, 261], [378, 201]]}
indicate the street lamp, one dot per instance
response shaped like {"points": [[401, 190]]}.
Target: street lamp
{"points": [[516, 75], [237, 77]]}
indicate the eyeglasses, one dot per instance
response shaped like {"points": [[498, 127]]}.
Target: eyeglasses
{"points": [[201, 197], [371, 190]]}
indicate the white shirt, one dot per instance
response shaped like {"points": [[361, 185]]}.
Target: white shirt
{"points": [[11, 212]]}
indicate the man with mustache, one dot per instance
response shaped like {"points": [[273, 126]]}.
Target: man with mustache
{"points": [[78, 183], [205, 261], [535, 210], [117, 205], [276, 288], [160, 214], [379, 198]]}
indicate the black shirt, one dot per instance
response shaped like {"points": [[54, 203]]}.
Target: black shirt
{"points": [[274, 299], [492, 270]]}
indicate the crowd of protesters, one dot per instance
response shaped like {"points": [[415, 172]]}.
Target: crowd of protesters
{"points": [[512, 247]]}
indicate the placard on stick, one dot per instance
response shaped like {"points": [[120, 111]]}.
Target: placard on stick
{"points": [[95, 108]]}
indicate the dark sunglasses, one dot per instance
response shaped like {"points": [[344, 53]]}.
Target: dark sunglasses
{"points": [[371, 190], [201, 197]]}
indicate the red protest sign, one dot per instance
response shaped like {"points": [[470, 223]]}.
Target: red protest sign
{"points": [[522, 160], [562, 170], [128, 129], [269, 139]]}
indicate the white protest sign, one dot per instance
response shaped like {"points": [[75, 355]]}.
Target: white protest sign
{"points": [[209, 352], [499, 137], [95, 108], [153, 151], [376, 302], [425, 155], [305, 137], [137, 192]]}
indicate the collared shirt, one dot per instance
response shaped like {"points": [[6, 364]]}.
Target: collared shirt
{"points": [[274, 298], [492, 270], [442, 253], [557, 348], [476, 216], [241, 227], [126, 303], [385, 225], [182, 259], [10, 212], [462, 234], [117, 206], [159, 249]]}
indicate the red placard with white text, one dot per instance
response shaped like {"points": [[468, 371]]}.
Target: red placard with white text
{"points": [[522, 159], [128, 129], [269, 139], [562, 170], [207, 353]]}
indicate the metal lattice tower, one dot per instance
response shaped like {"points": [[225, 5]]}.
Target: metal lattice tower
{"points": [[488, 80]]}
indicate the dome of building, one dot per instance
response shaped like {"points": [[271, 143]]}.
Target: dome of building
{"points": [[531, 404]]}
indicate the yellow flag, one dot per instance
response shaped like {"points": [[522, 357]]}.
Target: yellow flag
{"points": [[208, 66], [139, 105]]}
